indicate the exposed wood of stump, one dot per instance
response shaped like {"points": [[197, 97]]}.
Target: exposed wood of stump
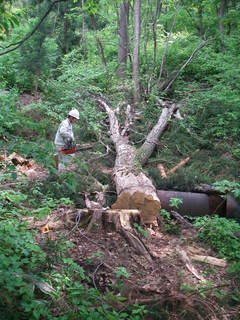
{"points": [[135, 190]]}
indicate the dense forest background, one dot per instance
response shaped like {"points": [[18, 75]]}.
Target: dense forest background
{"points": [[64, 54]]}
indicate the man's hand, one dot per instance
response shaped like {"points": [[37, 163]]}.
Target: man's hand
{"points": [[69, 143]]}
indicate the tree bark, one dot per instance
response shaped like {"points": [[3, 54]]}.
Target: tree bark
{"points": [[166, 45], [65, 31], [146, 35], [36, 84], [123, 40], [83, 34], [134, 189], [221, 14], [136, 47], [200, 21], [220, 23], [152, 138], [99, 43], [154, 31], [154, 23]]}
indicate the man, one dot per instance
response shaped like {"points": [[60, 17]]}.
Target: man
{"points": [[65, 139]]}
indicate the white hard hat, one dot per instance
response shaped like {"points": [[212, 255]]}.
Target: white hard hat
{"points": [[74, 113]]}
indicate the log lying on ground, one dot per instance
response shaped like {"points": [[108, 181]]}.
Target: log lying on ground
{"points": [[134, 189]]}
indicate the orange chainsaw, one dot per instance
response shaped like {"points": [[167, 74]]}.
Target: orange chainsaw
{"points": [[71, 149]]}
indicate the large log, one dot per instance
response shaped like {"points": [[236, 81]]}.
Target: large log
{"points": [[134, 189]]}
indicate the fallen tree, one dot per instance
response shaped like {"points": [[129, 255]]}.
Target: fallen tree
{"points": [[134, 189]]}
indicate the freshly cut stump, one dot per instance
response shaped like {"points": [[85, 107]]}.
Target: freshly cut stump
{"points": [[145, 203]]}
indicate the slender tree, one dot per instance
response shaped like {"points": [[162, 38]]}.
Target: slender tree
{"points": [[123, 40], [221, 12], [136, 47]]}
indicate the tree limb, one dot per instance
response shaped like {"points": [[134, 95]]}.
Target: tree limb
{"points": [[152, 138], [19, 43], [202, 44], [128, 120]]}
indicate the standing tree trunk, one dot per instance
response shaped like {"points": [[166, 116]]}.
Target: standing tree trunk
{"points": [[146, 34], [83, 34], [36, 84], [123, 40], [134, 189], [154, 31], [154, 23], [65, 31], [166, 45], [220, 23], [136, 43], [200, 22], [99, 43]]}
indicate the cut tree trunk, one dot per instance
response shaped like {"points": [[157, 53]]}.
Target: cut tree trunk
{"points": [[134, 189]]}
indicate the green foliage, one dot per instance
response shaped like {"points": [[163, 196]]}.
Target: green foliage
{"points": [[226, 186], [175, 202], [168, 225], [221, 234], [140, 230], [8, 19], [121, 272], [20, 265], [63, 58], [31, 284], [165, 215]]}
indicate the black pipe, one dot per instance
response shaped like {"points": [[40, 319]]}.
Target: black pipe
{"points": [[200, 204]]}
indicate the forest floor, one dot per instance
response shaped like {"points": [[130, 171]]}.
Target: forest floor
{"points": [[171, 278]]}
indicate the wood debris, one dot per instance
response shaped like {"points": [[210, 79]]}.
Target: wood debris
{"points": [[179, 165], [162, 171], [185, 259], [27, 167], [210, 260], [165, 174]]}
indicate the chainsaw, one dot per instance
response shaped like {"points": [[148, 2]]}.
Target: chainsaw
{"points": [[71, 148]]}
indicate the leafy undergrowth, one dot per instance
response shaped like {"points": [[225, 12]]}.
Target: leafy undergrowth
{"points": [[61, 271]]}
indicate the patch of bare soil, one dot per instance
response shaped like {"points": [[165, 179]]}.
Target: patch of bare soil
{"points": [[173, 278], [25, 99]]}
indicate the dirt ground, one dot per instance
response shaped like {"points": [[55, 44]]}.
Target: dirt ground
{"points": [[171, 277]]}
